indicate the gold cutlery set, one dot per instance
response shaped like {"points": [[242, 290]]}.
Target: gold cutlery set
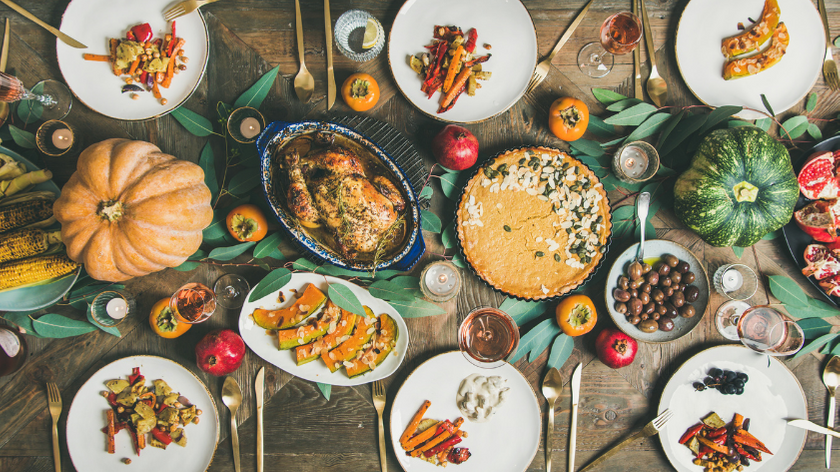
{"points": [[304, 82], [232, 398]]}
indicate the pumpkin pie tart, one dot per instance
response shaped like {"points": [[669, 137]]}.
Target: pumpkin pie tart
{"points": [[534, 222]]}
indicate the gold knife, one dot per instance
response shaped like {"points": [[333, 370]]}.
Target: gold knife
{"points": [[4, 56], [63, 37], [259, 385], [575, 386], [637, 63], [330, 73]]}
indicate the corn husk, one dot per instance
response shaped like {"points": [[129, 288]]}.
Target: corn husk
{"points": [[10, 168], [23, 182]]}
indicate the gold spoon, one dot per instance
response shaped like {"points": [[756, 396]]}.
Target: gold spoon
{"points": [[304, 82], [232, 398], [551, 388], [656, 87], [831, 379]]}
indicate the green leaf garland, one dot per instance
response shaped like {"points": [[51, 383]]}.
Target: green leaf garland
{"points": [[787, 291], [429, 221], [814, 327], [52, 325], [243, 182], [255, 95], [326, 389], [342, 296], [816, 344], [607, 97], [228, 253], [207, 162], [268, 245], [534, 338], [561, 350], [416, 308], [193, 122], [22, 138], [274, 281]]}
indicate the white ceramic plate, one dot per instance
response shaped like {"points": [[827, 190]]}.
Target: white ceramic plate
{"points": [[704, 23], [657, 248], [507, 442], [504, 24], [265, 345], [94, 22], [771, 397], [41, 296], [86, 442]]}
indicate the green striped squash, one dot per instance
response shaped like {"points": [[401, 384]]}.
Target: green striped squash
{"points": [[740, 186]]}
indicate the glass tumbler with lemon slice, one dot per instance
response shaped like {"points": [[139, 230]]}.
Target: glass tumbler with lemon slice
{"points": [[359, 36]]}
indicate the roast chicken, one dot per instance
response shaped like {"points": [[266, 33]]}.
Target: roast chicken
{"points": [[329, 188]]}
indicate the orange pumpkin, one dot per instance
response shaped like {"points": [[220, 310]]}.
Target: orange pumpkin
{"points": [[130, 210]]}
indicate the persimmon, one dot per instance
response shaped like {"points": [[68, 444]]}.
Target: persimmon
{"points": [[164, 322], [247, 223], [360, 92], [568, 118], [576, 315]]}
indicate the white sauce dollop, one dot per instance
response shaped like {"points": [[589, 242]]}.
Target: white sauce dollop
{"points": [[479, 397]]}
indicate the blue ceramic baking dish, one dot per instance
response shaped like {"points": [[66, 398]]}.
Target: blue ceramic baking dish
{"points": [[276, 134]]}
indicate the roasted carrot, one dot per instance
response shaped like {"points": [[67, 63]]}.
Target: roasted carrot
{"points": [[112, 430], [453, 91], [170, 67], [420, 438], [711, 445], [737, 421], [114, 43], [155, 89], [453, 68], [134, 64], [446, 434], [141, 442], [97, 57], [743, 437], [415, 422]]}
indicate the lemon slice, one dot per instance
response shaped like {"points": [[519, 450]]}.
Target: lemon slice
{"points": [[371, 34]]}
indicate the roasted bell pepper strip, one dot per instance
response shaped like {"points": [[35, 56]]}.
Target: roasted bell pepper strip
{"points": [[690, 432], [477, 60], [443, 446], [162, 436], [472, 36], [747, 439], [745, 453], [130, 36], [711, 445], [414, 423], [445, 431], [173, 31], [720, 439], [716, 432], [447, 33], [135, 374], [135, 440], [142, 32], [454, 62], [112, 399]]}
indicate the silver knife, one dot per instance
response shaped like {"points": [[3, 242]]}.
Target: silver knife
{"points": [[575, 400], [259, 385], [330, 73], [63, 37], [805, 424]]}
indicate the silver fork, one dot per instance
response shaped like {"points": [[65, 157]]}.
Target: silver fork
{"points": [[187, 6], [378, 394], [55, 411], [649, 430], [829, 66]]}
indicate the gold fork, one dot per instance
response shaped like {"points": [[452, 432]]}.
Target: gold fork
{"points": [[829, 66], [187, 6], [378, 394], [55, 411], [649, 430], [541, 72]]}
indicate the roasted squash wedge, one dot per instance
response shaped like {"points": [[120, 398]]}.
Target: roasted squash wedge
{"points": [[382, 343], [747, 66], [308, 303], [341, 332], [347, 349], [752, 39], [312, 330]]}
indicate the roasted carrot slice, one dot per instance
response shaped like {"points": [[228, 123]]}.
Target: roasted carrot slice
{"points": [[738, 421], [446, 434], [453, 68], [456, 87], [711, 445], [420, 438], [414, 423], [112, 430], [97, 57]]}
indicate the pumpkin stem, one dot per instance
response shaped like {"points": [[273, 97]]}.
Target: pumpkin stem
{"points": [[111, 210], [745, 192]]}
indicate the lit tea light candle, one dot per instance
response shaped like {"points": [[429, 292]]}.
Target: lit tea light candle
{"points": [[732, 280], [634, 161], [62, 138], [440, 281], [117, 308], [249, 127]]}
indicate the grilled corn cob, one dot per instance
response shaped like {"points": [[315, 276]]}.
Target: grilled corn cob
{"points": [[26, 242], [25, 209], [35, 271]]}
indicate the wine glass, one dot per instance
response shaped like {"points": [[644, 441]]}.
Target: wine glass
{"points": [[193, 303], [231, 290], [53, 98], [487, 337], [620, 34], [760, 328]]}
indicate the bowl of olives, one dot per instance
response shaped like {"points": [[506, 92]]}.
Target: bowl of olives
{"points": [[660, 299]]}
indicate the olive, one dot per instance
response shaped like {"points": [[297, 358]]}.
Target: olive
{"points": [[636, 283], [660, 308], [644, 297], [691, 293], [666, 324], [621, 295], [634, 320], [687, 311], [679, 287], [655, 316], [634, 306], [688, 277], [634, 293], [652, 278], [648, 326], [663, 268], [623, 283], [644, 316], [635, 270], [646, 268], [668, 291], [676, 277], [646, 287], [677, 299], [682, 267], [665, 282], [649, 308], [670, 311], [671, 260], [621, 307], [657, 295]]}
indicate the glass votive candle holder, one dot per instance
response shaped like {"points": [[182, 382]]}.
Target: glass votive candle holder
{"points": [[110, 308], [350, 32], [735, 281], [56, 138], [635, 162], [244, 124], [440, 281]]}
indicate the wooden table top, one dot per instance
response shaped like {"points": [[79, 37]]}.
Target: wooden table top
{"points": [[305, 432]]}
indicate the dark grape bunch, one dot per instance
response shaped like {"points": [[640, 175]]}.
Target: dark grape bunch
{"points": [[724, 381]]}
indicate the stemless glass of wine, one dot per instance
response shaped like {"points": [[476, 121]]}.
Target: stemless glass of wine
{"points": [[487, 337], [231, 290], [620, 34], [763, 329], [53, 97], [193, 303]]}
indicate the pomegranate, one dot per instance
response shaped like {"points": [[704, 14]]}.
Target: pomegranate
{"points": [[220, 352], [831, 285], [615, 348], [455, 148], [822, 262], [818, 177], [819, 219]]}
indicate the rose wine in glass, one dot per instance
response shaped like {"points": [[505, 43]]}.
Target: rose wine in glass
{"points": [[193, 303], [768, 331], [51, 98], [620, 34], [12, 351], [487, 336]]}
